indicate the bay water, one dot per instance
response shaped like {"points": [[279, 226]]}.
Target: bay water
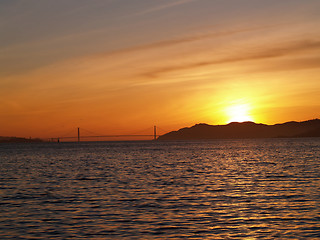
{"points": [[221, 189]]}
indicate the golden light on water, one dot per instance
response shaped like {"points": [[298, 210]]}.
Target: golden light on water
{"points": [[239, 113]]}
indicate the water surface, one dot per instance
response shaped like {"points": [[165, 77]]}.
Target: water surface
{"points": [[224, 189]]}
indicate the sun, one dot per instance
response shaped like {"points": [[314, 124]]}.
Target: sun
{"points": [[239, 113]]}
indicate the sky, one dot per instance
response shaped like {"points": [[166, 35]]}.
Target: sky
{"points": [[119, 66]]}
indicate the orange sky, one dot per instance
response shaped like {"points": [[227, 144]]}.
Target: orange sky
{"points": [[121, 66]]}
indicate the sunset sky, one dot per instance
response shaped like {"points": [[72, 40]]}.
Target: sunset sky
{"points": [[119, 66]]}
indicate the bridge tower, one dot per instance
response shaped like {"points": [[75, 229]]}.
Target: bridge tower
{"points": [[154, 132]]}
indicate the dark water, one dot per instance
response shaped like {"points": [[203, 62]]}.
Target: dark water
{"points": [[239, 189]]}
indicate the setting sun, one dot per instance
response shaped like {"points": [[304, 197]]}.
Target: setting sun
{"points": [[122, 66], [176, 118], [239, 113]]}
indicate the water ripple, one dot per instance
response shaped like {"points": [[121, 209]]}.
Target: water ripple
{"points": [[231, 189]]}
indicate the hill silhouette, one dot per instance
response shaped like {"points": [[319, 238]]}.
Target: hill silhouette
{"points": [[235, 130], [18, 140]]}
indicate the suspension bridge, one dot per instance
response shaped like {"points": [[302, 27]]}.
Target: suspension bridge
{"points": [[89, 135]]}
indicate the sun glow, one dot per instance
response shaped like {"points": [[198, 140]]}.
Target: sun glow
{"points": [[239, 113]]}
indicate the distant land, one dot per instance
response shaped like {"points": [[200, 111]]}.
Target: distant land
{"points": [[18, 140], [235, 130]]}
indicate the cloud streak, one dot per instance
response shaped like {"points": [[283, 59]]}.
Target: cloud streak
{"points": [[188, 39], [162, 7], [281, 51]]}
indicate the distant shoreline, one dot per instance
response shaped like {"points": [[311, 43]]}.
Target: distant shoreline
{"points": [[19, 140], [234, 130], [158, 140]]}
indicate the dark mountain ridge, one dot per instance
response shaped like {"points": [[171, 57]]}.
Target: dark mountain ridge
{"points": [[235, 130]]}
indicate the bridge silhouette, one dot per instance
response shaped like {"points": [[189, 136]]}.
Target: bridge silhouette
{"points": [[79, 137]]}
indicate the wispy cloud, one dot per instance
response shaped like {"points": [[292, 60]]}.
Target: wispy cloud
{"points": [[184, 40], [268, 53], [163, 6]]}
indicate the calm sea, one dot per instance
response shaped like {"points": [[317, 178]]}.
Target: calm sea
{"points": [[228, 189]]}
